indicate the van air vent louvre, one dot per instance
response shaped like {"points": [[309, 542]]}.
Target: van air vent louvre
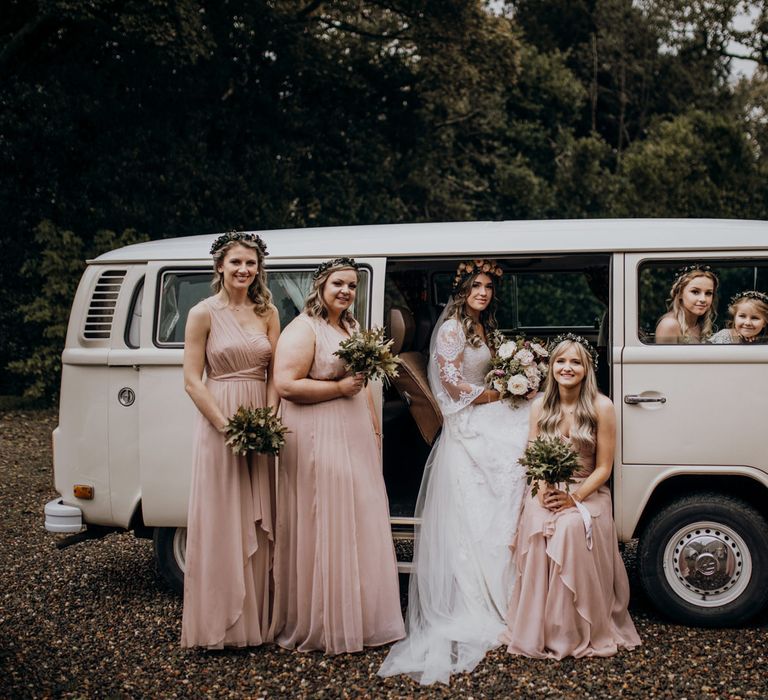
{"points": [[98, 322]]}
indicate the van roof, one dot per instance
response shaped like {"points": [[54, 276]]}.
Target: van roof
{"points": [[487, 238]]}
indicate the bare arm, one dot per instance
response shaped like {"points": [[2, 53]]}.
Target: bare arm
{"points": [[605, 445], [273, 333], [668, 330], [195, 337], [293, 360]]}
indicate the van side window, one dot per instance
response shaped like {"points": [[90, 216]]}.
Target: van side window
{"points": [[180, 290], [656, 301]]}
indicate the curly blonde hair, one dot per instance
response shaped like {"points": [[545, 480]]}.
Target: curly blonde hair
{"points": [[675, 303], [457, 307], [258, 291], [584, 417], [314, 306]]}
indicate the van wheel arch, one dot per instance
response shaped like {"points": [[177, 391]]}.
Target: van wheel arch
{"points": [[170, 547], [703, 559]]}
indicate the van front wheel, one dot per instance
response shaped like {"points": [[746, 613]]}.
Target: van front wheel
{"points": [[703, 560], [170, 550]]}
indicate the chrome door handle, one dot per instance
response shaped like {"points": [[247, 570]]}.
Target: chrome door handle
{"points": [[633, 399]]}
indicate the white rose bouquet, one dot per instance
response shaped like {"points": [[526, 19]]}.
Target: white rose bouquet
{"points": [[517, 368]]}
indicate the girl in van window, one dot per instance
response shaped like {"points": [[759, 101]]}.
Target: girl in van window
{"points": [[470, 496], [572, 591], [748, 319], [231, 337], [692, 303], [336, 583]]}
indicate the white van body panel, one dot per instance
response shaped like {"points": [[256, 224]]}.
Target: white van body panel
{"points": [[136, 454]]}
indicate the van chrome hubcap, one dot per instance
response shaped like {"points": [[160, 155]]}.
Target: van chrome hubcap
{"points": [[707, 564]]}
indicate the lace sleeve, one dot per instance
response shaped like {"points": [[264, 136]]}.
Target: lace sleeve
{"points": [[454, 391]]}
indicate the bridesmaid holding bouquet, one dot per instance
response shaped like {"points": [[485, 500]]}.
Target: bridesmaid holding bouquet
{"points": [[572, 591], [231, 337], [336, 585]]}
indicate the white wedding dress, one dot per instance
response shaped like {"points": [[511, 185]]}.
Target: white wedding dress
{"points": [[469, 505]]}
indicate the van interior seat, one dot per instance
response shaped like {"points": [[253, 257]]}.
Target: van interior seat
{"points": [[412, 383]]}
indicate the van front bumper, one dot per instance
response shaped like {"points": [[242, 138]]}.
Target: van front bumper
{"points": [[62, 518]]}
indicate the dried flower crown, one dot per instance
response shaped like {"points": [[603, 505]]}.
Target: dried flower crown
{"points": [[336, 262], [574, 339], [750, 294], [238, 236], [682, 271], [470, 268]]}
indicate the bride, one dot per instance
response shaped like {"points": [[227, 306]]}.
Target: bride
{"points": [[470, 497]]}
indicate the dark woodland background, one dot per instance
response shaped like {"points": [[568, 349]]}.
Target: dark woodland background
{"points": [[122, 120]]}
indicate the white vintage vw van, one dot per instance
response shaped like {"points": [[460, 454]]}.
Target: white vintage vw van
{"points": [[691, 466]]}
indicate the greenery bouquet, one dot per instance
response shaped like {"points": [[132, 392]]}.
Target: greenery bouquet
{"points": [[368, 353], [549, 459], [518, 366], [255, 430]]}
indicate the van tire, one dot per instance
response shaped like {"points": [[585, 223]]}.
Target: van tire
{"points": [[170, 545], [711, 528]]}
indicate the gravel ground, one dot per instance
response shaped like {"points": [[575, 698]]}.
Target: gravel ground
{"points": [[95, 620]]}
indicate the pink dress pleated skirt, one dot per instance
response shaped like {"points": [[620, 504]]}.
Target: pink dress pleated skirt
{"points": [[336, 583], [227, 580], [569, 600]]}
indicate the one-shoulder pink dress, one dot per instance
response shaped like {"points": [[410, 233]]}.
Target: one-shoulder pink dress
{"points": [[336, 584], [568, 599], [230, 524]]}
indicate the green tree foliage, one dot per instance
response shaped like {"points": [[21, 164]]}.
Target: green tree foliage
{"points": [[190, 116], [54, 271]]}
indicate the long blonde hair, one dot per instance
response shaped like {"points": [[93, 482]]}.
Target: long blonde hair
{"points": [[314, 306], [456, 308], [258, 291], [675, 303], [584, 424]]}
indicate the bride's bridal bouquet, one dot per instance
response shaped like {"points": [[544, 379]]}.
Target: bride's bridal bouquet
{"points": [[551, 460], [368, 353], [255, 430], [518, 367]]}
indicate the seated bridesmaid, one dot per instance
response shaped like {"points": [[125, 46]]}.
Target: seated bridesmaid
{"points": [[229, 339], [748, 320], [691, 307], [336, 584], [572, 591]]}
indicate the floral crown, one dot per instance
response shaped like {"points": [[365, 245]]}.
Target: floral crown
{"points": [[336, 262], [682, 271], [574, 339], [470, 268], [238, 236], [750, 294]]}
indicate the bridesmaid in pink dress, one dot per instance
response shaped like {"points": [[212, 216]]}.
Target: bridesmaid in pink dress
{"points": [[336, 585], [572, 591], [231, 336]]}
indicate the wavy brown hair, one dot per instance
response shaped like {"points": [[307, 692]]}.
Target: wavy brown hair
{"points": [[315, 307], [584, 417], [258, 291], [457, 309]]}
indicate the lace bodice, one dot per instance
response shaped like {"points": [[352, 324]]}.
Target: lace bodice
{"points": [[458, 369]]}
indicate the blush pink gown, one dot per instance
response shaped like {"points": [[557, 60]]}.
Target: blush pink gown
{"points": [[569, 600], [336, 584], [230, 524]]}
